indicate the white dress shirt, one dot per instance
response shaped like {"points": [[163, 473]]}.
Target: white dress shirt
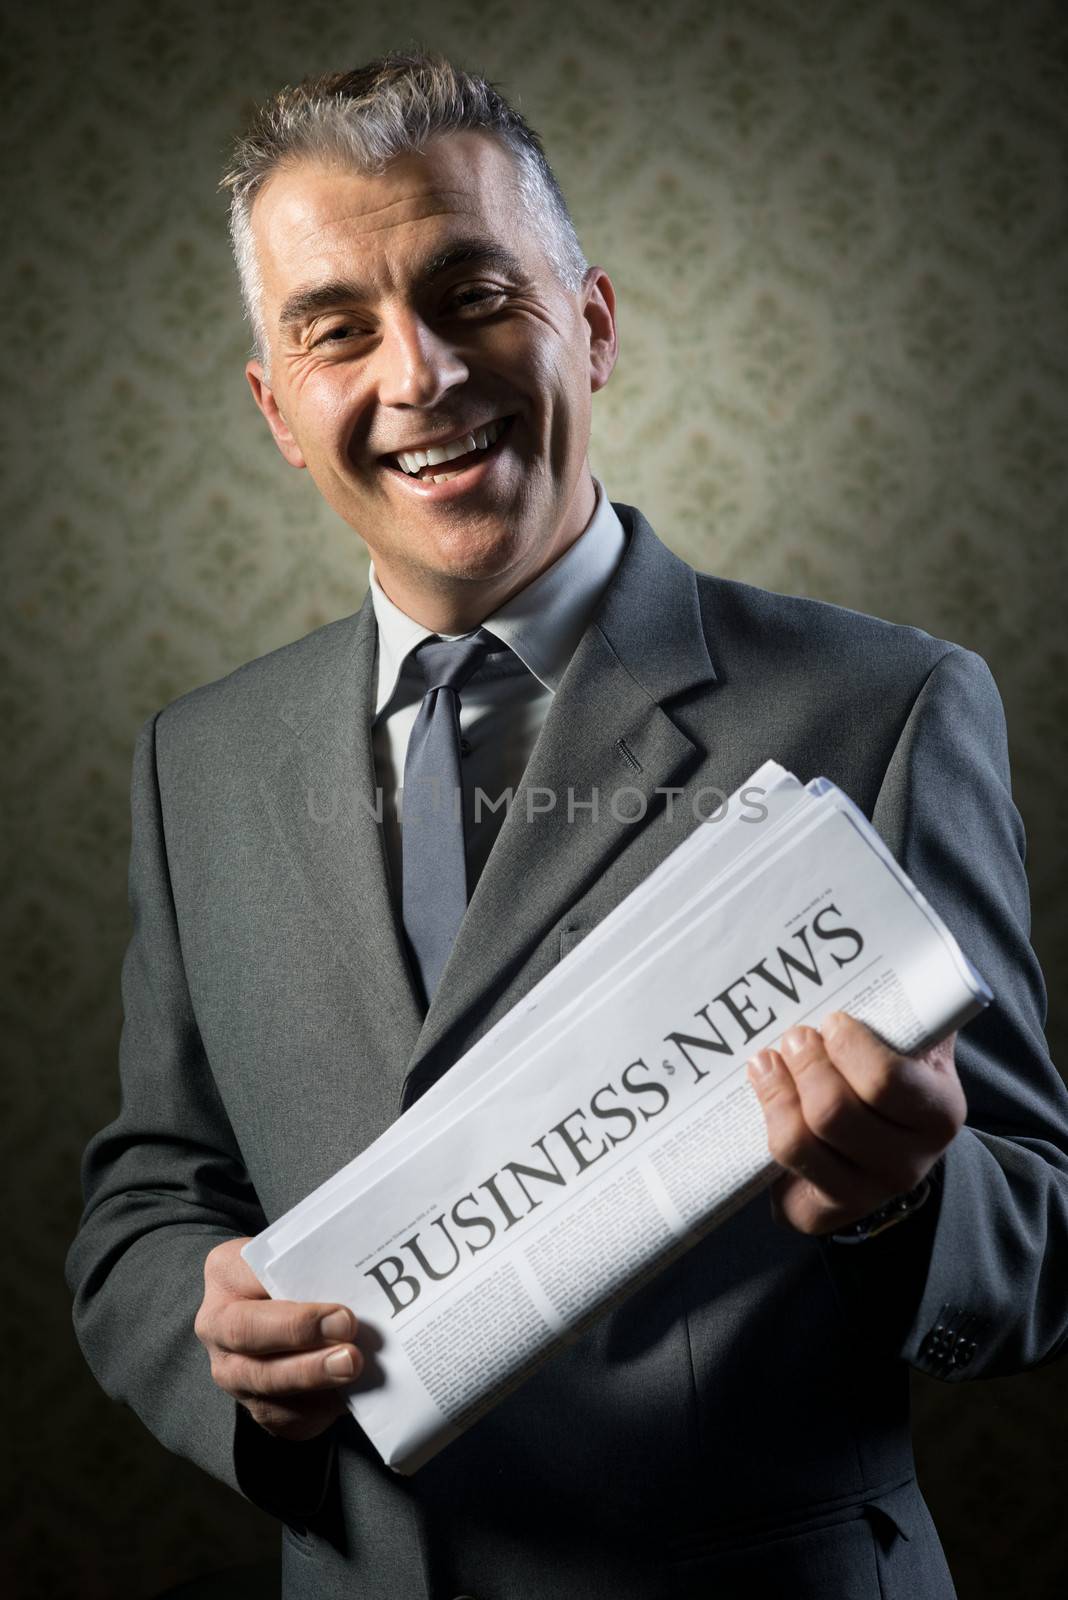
{"points": [[503, 707]]}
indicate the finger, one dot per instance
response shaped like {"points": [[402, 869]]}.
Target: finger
{"points": [[270, 1378], [226, 1270], [839, 1183], [841, 1120], [304, 1417], [795, 1203], [940, 1057], [270, 1327], [918, 1094]]}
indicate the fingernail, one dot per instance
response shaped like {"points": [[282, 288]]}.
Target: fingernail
{"points": [[793, 1042], [832, 1025], [339, 1364], [761, 1067], [336, 1326]]}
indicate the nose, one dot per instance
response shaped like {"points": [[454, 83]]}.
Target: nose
{"points": [[417, 366]]}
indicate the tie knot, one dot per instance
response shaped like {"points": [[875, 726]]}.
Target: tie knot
{"points": [[449, 663]]}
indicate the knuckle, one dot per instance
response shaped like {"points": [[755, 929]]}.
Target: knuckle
{"points": [[267, 1379], [786, 1146], [214, 1263], [829, 1118], [805, 1059], [248, 1324], [235, 1328], [882, 1081], [220, 1372], [260, 1380], [293, 1327], [781, 1111], [301, 1326]]}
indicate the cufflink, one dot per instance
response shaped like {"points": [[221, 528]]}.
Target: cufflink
{"points": [[948, 1346], [894, 1211]]}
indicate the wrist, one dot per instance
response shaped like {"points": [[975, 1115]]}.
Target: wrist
{"points": [[288, 1478], [898, 1209]]}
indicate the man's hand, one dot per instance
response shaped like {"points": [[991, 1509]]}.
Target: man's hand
{"points": [[853, 1123], [285, 1361]]}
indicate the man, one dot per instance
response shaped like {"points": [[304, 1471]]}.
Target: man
{"points": [[428, 341]]}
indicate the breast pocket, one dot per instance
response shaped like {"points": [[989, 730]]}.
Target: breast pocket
{"points": [[569, 938]]}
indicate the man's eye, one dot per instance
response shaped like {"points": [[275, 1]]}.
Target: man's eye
{"points": [[336, 335], [474, 297]]}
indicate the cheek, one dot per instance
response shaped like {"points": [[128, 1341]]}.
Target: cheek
{"points": [[327, 411], [569, 387]]}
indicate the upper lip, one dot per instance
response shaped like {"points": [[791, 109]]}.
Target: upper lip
{"points": [[437, 440]]}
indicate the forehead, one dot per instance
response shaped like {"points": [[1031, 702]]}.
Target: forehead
{"points": [[311, 219]]}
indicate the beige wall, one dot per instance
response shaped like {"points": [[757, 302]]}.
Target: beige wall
{"points": [[839, 234]]}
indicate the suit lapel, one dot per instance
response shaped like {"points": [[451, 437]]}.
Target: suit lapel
{"points": [[322, 798], [606, 734]]}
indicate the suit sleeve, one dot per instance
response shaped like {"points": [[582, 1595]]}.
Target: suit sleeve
{"points": [[164, 1184], [977, 1284]]}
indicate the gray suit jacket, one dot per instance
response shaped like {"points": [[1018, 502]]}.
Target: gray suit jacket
{"points": [[740, 1425]]}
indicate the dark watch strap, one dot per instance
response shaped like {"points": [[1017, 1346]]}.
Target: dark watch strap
{"points": [[901, 1207]]}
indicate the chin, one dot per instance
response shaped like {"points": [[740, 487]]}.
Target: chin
{"points": [[470, 556]]}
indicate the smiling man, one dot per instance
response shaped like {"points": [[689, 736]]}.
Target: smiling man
{"points": [[414, 314], [308, 955]]}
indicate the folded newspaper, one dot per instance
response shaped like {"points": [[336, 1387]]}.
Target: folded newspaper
{"points": [[606, 1124]]}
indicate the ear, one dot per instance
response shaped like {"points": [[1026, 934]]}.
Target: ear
{"points": [[599, 310], [263, 395]]}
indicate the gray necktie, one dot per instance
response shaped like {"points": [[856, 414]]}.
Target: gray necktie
{"points": [[433, 849]]}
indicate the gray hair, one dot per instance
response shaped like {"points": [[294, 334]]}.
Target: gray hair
{"points": [[367, 117]]}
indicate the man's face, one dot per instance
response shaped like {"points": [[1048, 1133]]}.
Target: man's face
{"points": [[408, 311]]}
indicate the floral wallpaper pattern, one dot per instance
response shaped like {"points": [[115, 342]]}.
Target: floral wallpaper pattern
{"points": [[839, 236]]}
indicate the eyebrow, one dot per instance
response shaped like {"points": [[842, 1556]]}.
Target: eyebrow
{"points": [[311, 299]]}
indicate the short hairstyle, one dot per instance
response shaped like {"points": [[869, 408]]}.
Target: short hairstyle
{"points": [[365, 118]]}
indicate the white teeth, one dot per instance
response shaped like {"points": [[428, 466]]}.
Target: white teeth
{"points": [[448, 452], [413, 460]]}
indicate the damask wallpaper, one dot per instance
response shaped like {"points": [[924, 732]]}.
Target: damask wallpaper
{"points": [[839, 237]]}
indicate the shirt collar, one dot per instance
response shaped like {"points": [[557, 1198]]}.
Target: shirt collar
{"points": [[542, 623]]}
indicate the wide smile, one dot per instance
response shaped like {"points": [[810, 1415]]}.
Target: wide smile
{"points": [[442, 472]]}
